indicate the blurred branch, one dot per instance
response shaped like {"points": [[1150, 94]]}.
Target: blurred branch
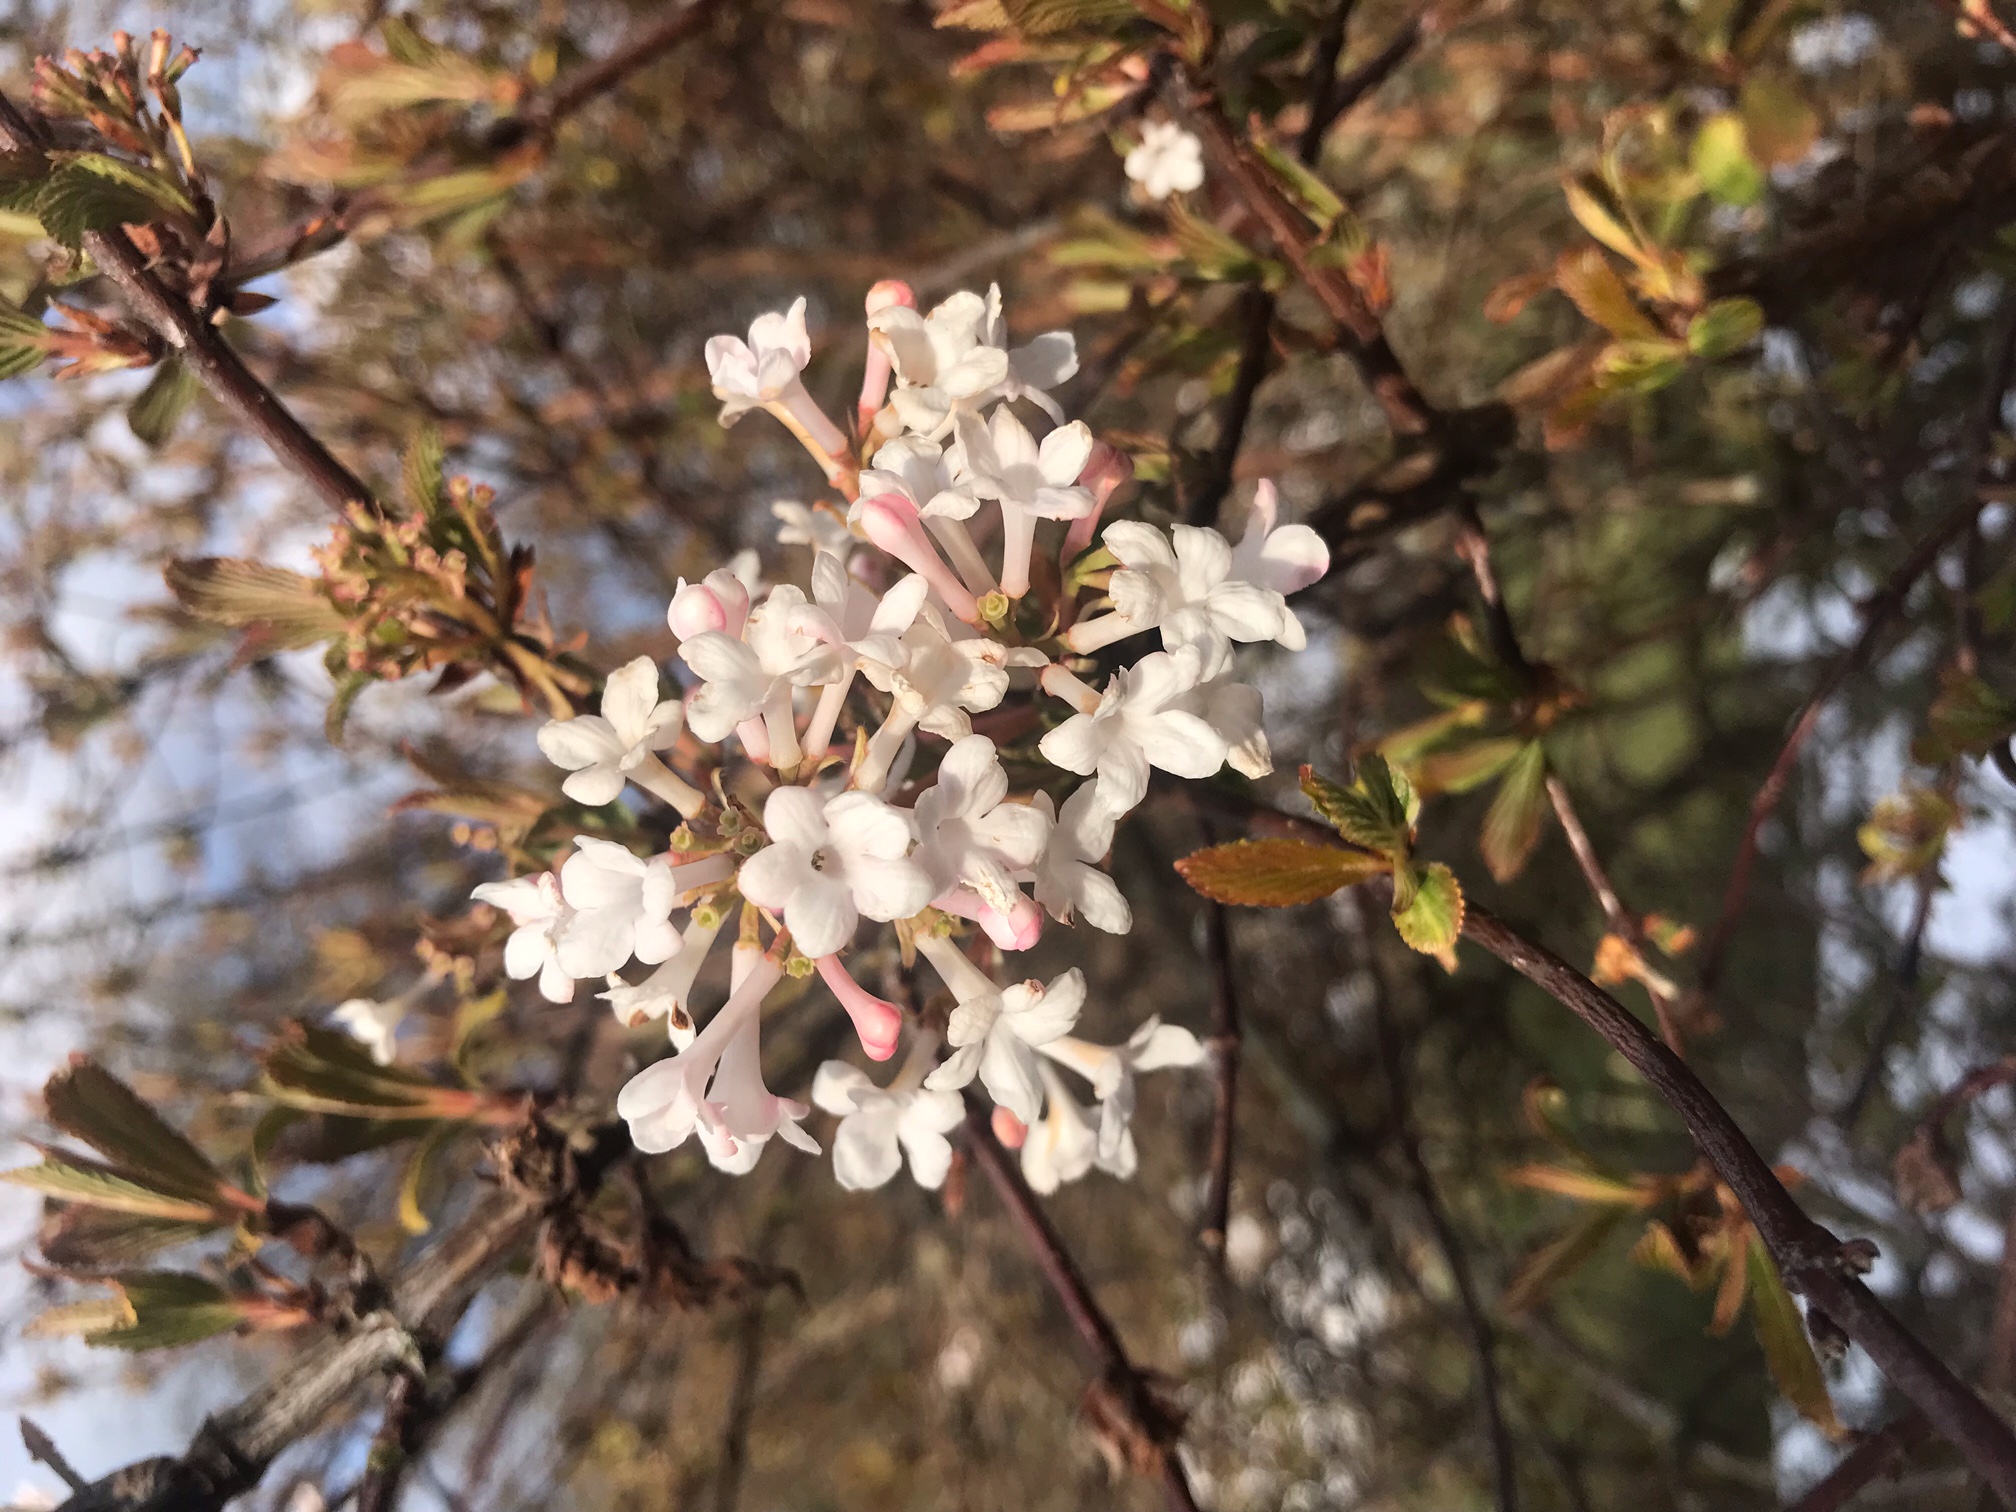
{"points": [[1361, 81], [1903, 994], [1152, 1427], [544, 114], [391, 1444], [1225, 1036], [43, 1448], [1883, 1452], [202, 345], [1483, 1349], [1877, 613]]}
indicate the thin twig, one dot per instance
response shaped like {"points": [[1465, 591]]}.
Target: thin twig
{"points": [[391, 1444], [1323, 78], [1256, 308], [1881, 1453], [1368, 76], [1225, 1055], [1903, 995], [1483, 1348], [1153, 1427], [543, 115], [1809, 1258], [42, 1447], [1877, 613]]}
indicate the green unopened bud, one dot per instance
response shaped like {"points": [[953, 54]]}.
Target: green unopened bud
{"points": [[798, 965], [994, 608]]}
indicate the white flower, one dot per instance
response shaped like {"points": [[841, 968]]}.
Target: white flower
{"points": [[753, 675], [846, 613], [373, 1024], [747, 1114], [1183, 583], [940, 683], [1062, 1147], [1234, 710], [1138, 722], [969, 834], [623, 905], [1003, 462], [830, 861], [1168, 160], [815, 525], [667, 992], [666, 1102], [1112, 1068], [540, 914], [940, 364], [603, 751], [995, 1035], [918, 469], [880, 1125], [1068, 879], [763, 373], [1035, 368], [1281, 559]]}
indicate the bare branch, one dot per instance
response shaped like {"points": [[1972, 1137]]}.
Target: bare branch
{"points": [[1225, 1035], [543, 115], [1121, 1384]]}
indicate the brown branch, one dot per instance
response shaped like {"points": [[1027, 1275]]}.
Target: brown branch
{"points": [[1877, 614], [542, 116], [202, 346], [1323, 77], [1809, 1258], [43, 1448], [1121, 1386], [391, 1444], [1225, 1053], [1903, 995], [1880, 1453], [1483, 1348], [1367, 77], [1256, 306]]}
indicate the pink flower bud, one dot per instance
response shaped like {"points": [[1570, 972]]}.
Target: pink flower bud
{"points": [[1009, 1129], [888, 294], [1106, 472], [877, 1021], [891, 522], [718, 602]]}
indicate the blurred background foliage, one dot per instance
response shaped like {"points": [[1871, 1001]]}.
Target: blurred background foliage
{"points": [[1684, 528]]}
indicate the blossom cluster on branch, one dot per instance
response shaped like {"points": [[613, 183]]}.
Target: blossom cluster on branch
{"points": [[963, 567]]}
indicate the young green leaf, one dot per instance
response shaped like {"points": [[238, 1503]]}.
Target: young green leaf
{"points": [[170, 1309], [1788, 1352], [1275, 873], [153, 415], [101, 1186], [1721, 159], [1584, 274], [234, 591], [100, 1239], [88, 1102], [1512, 823], [1560, 1258], [1724, 328], [421, 470], [1433, 916], [1372, 812]]}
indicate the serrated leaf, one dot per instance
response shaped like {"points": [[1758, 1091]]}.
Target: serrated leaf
{"points": [[73, 201], [1725, 328], [1372, 812], [1316, 199], [90, 1238], [420, 470], [234, 591], [1049, 18], [1584, 274], [170, 1309], [321, 1071], [1275, 873], [1788, 1352], [156, 187], [1721, 159], [88, 1102], [974, 15], [1463, 767], [1512, 823], [1590, 213], [102, 1187], [1551, 1264], [23, 341], [1433, 917], [1968, 718], [153, 415], [94, 1315]]}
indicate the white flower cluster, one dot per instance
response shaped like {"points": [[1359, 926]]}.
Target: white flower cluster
{"points": [[938, 590]]}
